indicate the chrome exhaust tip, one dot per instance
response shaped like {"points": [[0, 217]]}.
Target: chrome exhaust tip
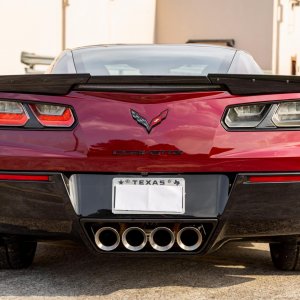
{"points": [[107, 238], [189, 238], [162, 238], [134, 238]]}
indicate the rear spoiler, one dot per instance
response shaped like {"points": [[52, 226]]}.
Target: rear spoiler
{"points": [[49, 84], [257, 84], [62, 84]]}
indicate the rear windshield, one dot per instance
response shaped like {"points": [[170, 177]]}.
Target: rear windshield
{"points": [[155, 60]]}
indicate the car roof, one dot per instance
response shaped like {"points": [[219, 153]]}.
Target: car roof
{"points": [[172, 46]]}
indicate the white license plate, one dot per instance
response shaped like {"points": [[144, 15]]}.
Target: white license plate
{"points": [[148, 195]]}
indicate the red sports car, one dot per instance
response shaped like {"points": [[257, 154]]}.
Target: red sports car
{"points": [[150, 149]]}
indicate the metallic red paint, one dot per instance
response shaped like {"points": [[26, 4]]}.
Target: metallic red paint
{"points": [[193, 126]]}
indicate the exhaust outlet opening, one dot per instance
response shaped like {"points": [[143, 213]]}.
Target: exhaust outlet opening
{"points": [[162, 239], [134, 239], [107, 238], [189, 238]]}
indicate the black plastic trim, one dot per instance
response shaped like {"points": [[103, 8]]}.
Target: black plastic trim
{"points": [[36, 208], [241, 84], [51, 84], [266, 211], [148, 84], [151, 79], [147, 89]]}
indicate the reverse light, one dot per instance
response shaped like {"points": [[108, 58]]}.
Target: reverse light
{"points": [[50, 115], [287, 115], [245, 115], [12, 114]]}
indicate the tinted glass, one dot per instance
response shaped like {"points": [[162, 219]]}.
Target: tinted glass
{"points": [[63, 64], [243, 63], [153, 60]]}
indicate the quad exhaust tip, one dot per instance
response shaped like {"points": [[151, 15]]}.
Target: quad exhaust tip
{"points": [[107, 238], [134, 238], [162, 238], [189, 238]]}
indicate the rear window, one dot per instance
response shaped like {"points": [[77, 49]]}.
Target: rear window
{"points": [[153, 60]]}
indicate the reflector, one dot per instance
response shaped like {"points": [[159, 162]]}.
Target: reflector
{"points": [[22, 177], [274, 178]]}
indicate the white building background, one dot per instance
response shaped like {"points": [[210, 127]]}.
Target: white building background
{"points": [[268, 29], [286, 37], [36, 26]]}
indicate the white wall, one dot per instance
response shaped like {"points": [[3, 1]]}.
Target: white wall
{"points": [[249, 23], [288, 37], [110, 21], [27, 25], [35, 26]]}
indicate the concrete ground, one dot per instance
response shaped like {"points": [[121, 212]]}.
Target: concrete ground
{"points": [[238, 271]]}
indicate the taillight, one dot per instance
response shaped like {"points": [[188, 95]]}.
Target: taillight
{"points": [[267, 116], [50, 115], [19, 114], [287, 115], [244, 116], [12, 114]]}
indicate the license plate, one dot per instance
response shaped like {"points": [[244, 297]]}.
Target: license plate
{"points": [[148, 195]]}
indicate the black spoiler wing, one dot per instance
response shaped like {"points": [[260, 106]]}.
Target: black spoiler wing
{"points": [[257, 84], [49, 84], [62, 84]]}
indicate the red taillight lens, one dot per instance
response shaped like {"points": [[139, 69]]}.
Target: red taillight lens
{"points": [[12, 114], [50, 115]]}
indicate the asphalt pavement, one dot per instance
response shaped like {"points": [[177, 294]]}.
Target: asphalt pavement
{"points": [[237, 271]]}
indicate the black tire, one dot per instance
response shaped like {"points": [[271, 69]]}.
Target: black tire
{"points": [[16, 253], [285, 256]]}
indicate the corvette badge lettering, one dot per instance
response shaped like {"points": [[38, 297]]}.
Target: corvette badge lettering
{"points": [[147, 152], [154, 122]]}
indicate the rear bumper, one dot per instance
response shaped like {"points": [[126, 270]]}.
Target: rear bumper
{"points": [[36, 207], [260, 210], [240, 210]]}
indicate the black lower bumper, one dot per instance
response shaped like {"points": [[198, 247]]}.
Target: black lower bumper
{"points": [[263, 210], [237, 210], [40, 208]]}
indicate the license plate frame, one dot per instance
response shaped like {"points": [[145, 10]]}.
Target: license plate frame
{"points": [[155, 195]]}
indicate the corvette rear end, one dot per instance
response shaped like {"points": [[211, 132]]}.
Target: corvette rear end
{"points": [[150, 164]]}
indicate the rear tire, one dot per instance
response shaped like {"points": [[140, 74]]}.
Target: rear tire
{"points": [[285, 256], [16, 253]]}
